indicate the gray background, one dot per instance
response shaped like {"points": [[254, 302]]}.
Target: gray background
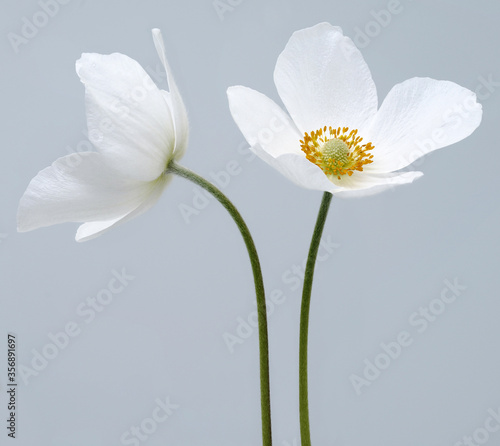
{"points": [[162, 336]]}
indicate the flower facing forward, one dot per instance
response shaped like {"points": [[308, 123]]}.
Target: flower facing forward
{"points": [[335, 138], [137, 130]]}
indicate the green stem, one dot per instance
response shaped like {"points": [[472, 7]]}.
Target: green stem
{"points": [[305, 433], [259, 291]]}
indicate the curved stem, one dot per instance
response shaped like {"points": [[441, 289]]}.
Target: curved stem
{"points": [[305, 433], [259, 291]]}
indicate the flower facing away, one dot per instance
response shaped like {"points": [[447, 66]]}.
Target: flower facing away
{"points": [[137, 130], [334, 137]]}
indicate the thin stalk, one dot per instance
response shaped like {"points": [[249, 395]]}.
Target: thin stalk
{"points": [[305, 433], [259, 291]]}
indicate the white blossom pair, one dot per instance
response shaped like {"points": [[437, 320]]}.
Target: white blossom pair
{"points": [[334, 137]]}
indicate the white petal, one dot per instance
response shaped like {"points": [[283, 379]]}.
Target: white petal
{"points": [[91, 230], [306, 174], [263, 122], [128, 118], [298, 170], [418, 116], [371, 184], [178, 108], [90, 190], [323, 79]]}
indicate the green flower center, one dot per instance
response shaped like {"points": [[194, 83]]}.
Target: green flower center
{"points": [[334, 151]]}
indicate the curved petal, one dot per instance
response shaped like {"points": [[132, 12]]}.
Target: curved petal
{"points": [[418, 116], [263, 122], [323, 79], [371, 184], [306, 174], [298, 170], [128, 118], [65, 192], [91, 230], [174, 98]]}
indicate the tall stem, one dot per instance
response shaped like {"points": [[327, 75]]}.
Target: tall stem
{"points": [[259, 291], [305, 433]]}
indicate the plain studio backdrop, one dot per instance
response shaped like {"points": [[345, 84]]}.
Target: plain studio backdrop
{"points": [[158, 312]]}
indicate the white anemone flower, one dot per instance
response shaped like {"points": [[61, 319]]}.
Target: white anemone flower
{"points": [[137, 130], [334, 137]]}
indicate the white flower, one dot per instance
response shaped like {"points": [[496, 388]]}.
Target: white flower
{"points": [[334, 139], [137, 130]]}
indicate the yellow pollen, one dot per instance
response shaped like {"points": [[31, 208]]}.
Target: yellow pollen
{"points": [[336, 151]]}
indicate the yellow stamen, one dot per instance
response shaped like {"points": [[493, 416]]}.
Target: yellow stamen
{"points": [[336, 151]]}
